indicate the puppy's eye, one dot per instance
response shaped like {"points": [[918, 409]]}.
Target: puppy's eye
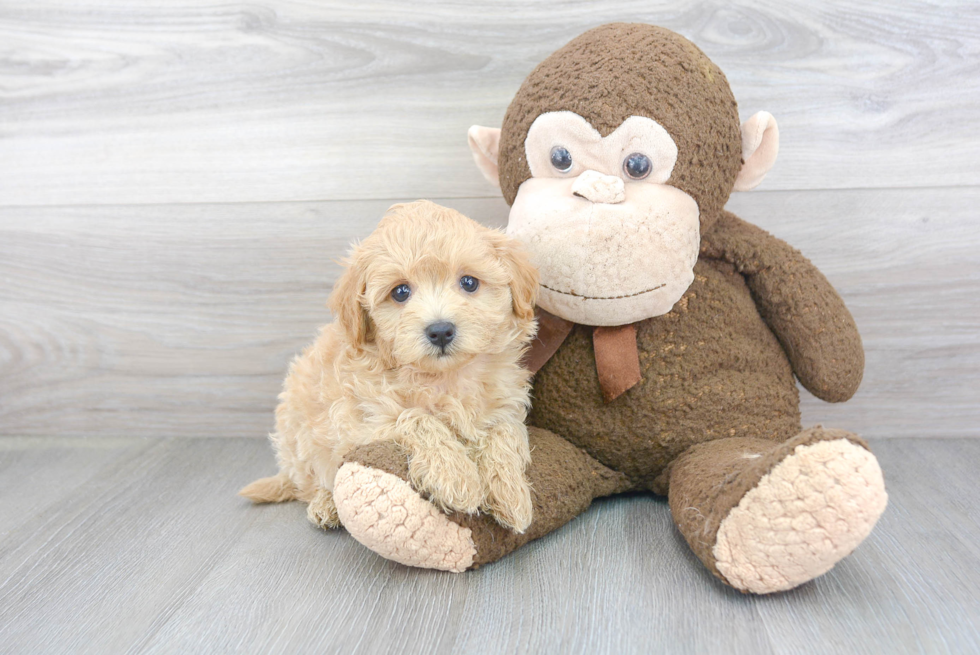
{"points": [[637, 166], [469, 283], [401, 293], [561, 158]]}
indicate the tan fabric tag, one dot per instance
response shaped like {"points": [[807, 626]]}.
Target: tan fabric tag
{"points": [[552, 332], [616, 359]]}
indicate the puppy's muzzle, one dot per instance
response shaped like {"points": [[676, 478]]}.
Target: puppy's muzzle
{"points": [[441, 334]]}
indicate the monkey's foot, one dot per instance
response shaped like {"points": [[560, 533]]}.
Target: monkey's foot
{"points": [[810, 511], [380, 508], [767, 516], [382, 511]]}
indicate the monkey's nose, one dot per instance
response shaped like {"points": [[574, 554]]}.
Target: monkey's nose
{"points": [[596, 187], [441, 334]]}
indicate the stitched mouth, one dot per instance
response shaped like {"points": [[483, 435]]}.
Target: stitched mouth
{"points": [[628, 295]]}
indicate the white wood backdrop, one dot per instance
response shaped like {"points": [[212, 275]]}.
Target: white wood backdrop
{"points": [[176, 180]]}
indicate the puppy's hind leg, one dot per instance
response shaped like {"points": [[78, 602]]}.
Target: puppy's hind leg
{"points": [[275, 489], [322, 511]]}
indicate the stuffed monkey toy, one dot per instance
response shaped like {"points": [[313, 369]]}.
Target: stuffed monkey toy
{"points": [[671, 331]]}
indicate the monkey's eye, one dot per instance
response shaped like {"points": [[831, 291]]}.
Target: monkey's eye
{"points": [[561, 158], [637, 166], [469, 283], [401, 293]]}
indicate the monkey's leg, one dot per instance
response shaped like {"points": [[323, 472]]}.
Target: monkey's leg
{"points": [[765, 516], [379, 507]]}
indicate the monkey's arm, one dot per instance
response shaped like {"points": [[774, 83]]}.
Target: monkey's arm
{"points": [[798, 303]]}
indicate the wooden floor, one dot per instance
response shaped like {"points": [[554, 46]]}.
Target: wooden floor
{"points": [[177, 180], [141, 545]]}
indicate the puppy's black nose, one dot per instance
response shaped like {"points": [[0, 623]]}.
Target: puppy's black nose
{"points": [[441, 334]]}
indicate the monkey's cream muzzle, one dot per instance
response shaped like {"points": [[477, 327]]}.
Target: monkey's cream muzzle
{"points": [[607, 263]]}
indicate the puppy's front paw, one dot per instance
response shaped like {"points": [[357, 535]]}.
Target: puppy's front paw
{"points": [[322, 511], [449, 477], [509, 501]]}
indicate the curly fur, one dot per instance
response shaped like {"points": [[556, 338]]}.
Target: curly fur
{"points": [[372, 375]]}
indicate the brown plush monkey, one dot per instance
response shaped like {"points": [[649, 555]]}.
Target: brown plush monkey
{"points": [[670, 333]]}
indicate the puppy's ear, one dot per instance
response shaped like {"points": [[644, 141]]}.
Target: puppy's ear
{"points": [[345, 301], [523, 275]]}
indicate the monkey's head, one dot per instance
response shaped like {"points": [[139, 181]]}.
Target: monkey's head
{"points": [[618, 151]]}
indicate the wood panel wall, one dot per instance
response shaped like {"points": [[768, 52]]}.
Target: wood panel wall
{"points": [[178, 179]]}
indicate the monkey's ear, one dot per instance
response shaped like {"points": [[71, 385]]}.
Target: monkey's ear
{"points": [[760, 143], [485, 145], [345, 301]]}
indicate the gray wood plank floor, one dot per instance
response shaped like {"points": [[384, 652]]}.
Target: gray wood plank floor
{"points": [[134, 545]]}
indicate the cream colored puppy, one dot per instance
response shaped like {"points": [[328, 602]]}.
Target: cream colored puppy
{"points": [[432, 316]]}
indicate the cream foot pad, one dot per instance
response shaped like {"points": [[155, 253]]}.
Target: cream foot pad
{"points": [[811, 510], [384, 513]]}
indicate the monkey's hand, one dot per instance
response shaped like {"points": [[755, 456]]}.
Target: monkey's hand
{"points": [[798, 303]]}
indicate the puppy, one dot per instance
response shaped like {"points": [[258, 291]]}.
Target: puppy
{"points": [[432, 317]]}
